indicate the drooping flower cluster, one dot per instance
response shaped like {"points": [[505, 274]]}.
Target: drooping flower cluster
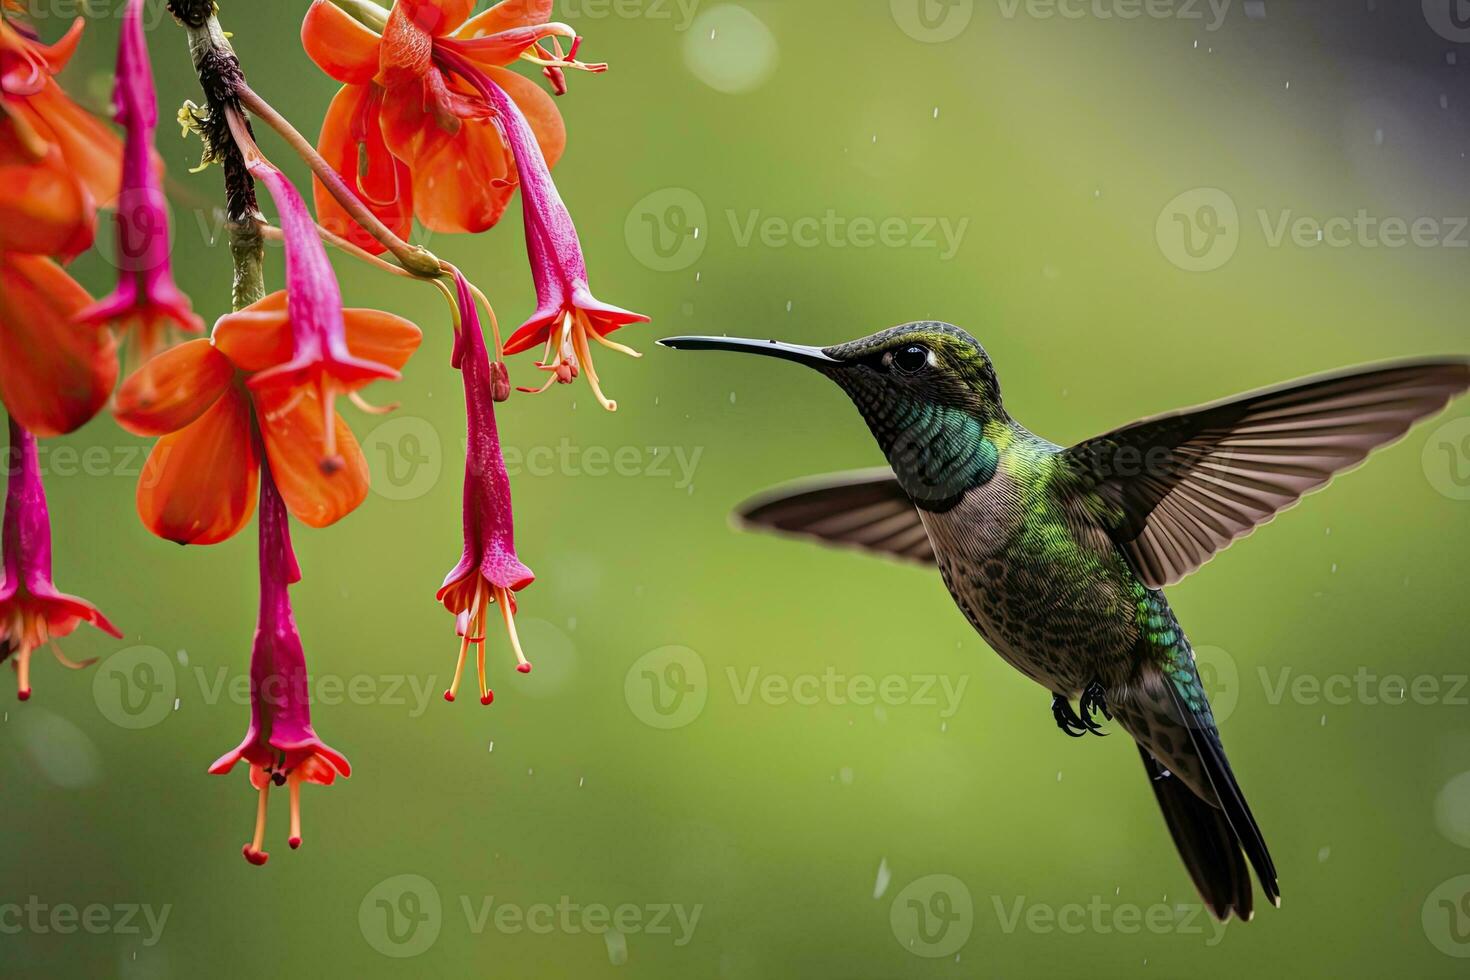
{"points": [[430, 123], [57, 164]]}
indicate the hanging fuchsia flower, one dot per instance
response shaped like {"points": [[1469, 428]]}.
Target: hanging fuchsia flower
{"points": [[488, 573], [146, 299], [32, 611], [280, 745], [321, 361], [567, 314]]}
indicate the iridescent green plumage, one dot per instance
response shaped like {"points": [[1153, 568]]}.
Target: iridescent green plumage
{"points": [[1058, 556]]}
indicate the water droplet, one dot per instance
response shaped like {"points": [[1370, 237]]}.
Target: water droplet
{"points": [[492, 745], [617, 947], [732, 398], [936, 112], [183, 656], [1323, 854], [581, 781], [884, 877], [845, 774]]}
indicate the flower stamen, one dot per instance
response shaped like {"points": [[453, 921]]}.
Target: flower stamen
{"points": [[295, 783], [252, 851]]}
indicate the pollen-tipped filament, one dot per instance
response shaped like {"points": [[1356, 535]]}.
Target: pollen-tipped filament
{"points": [[568, 354], [470, 624], [274, 775]]}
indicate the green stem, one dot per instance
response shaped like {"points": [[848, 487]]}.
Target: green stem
{"points": [[220, 77]]}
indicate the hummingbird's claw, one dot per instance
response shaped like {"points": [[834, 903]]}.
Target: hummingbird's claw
{"points": [[1094, 699], [1067, 720]]}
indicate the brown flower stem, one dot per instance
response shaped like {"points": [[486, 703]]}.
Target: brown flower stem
{"points": [[415, 258], [221, 78]]}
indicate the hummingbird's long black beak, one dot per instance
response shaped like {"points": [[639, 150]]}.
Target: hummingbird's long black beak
{"points": [[801, 354]]}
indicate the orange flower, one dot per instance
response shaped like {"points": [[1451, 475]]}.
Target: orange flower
{"points": [[410, 139], [76, 160], [199, 484], [56, 163], [55, 374]]}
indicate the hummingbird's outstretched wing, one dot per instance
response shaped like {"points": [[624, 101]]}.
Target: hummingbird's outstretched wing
{"points": [[1175, 489], [863, 509]]}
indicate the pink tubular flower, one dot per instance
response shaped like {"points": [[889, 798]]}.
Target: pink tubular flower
{"points": [[146, 299], [489, 571], [32, 611], [320, 359], [567, 313], [280, 745]]}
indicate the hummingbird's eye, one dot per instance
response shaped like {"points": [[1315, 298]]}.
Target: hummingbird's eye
{"points": [[911, 359]]}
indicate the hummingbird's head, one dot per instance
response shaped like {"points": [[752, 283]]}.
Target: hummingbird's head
{"points": [[926, 389]]}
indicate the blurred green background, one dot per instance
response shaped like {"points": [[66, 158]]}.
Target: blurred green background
{"points": [[1086, 168]]}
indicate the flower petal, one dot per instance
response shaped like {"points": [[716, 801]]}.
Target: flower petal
{"points": [[198, 486], [92, 151], [340, 45], [44, 210], [504, 47], [438, 17], [540, 111], [506, 15], [257, 337], [54, 373], [292, 425], [381, 337], [352, 142], [463, 181], [173, 389]]}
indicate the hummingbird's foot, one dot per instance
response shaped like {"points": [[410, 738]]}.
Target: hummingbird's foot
{"points": [[1094, 700], [1067, 720]]}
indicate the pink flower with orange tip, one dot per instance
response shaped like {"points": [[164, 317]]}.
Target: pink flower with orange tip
{"points": [[32, 611], [280, 745], [146, 299], [488, 573], [567, 314], [276, 368]]}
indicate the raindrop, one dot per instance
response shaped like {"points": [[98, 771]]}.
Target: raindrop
{"points": [[845, 774], [617, 947], [936, 112], [1334, 568], [492, 745], [788, 306], [1378, 137], [1324, 721], [183, 656], [176, 704], [581, 781], [884, 876], [1444, 101], [732, 398], [1059, 775], [1323, 854], [530, 772]]}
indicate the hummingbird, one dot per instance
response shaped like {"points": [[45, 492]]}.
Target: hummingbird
{"points": [[1058, 556]]}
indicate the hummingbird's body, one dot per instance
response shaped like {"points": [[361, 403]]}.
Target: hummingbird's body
{"points": [[1058, 556]]}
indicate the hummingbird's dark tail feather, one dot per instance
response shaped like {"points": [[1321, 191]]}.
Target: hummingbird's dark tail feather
{"points": [[1210, 849]]}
